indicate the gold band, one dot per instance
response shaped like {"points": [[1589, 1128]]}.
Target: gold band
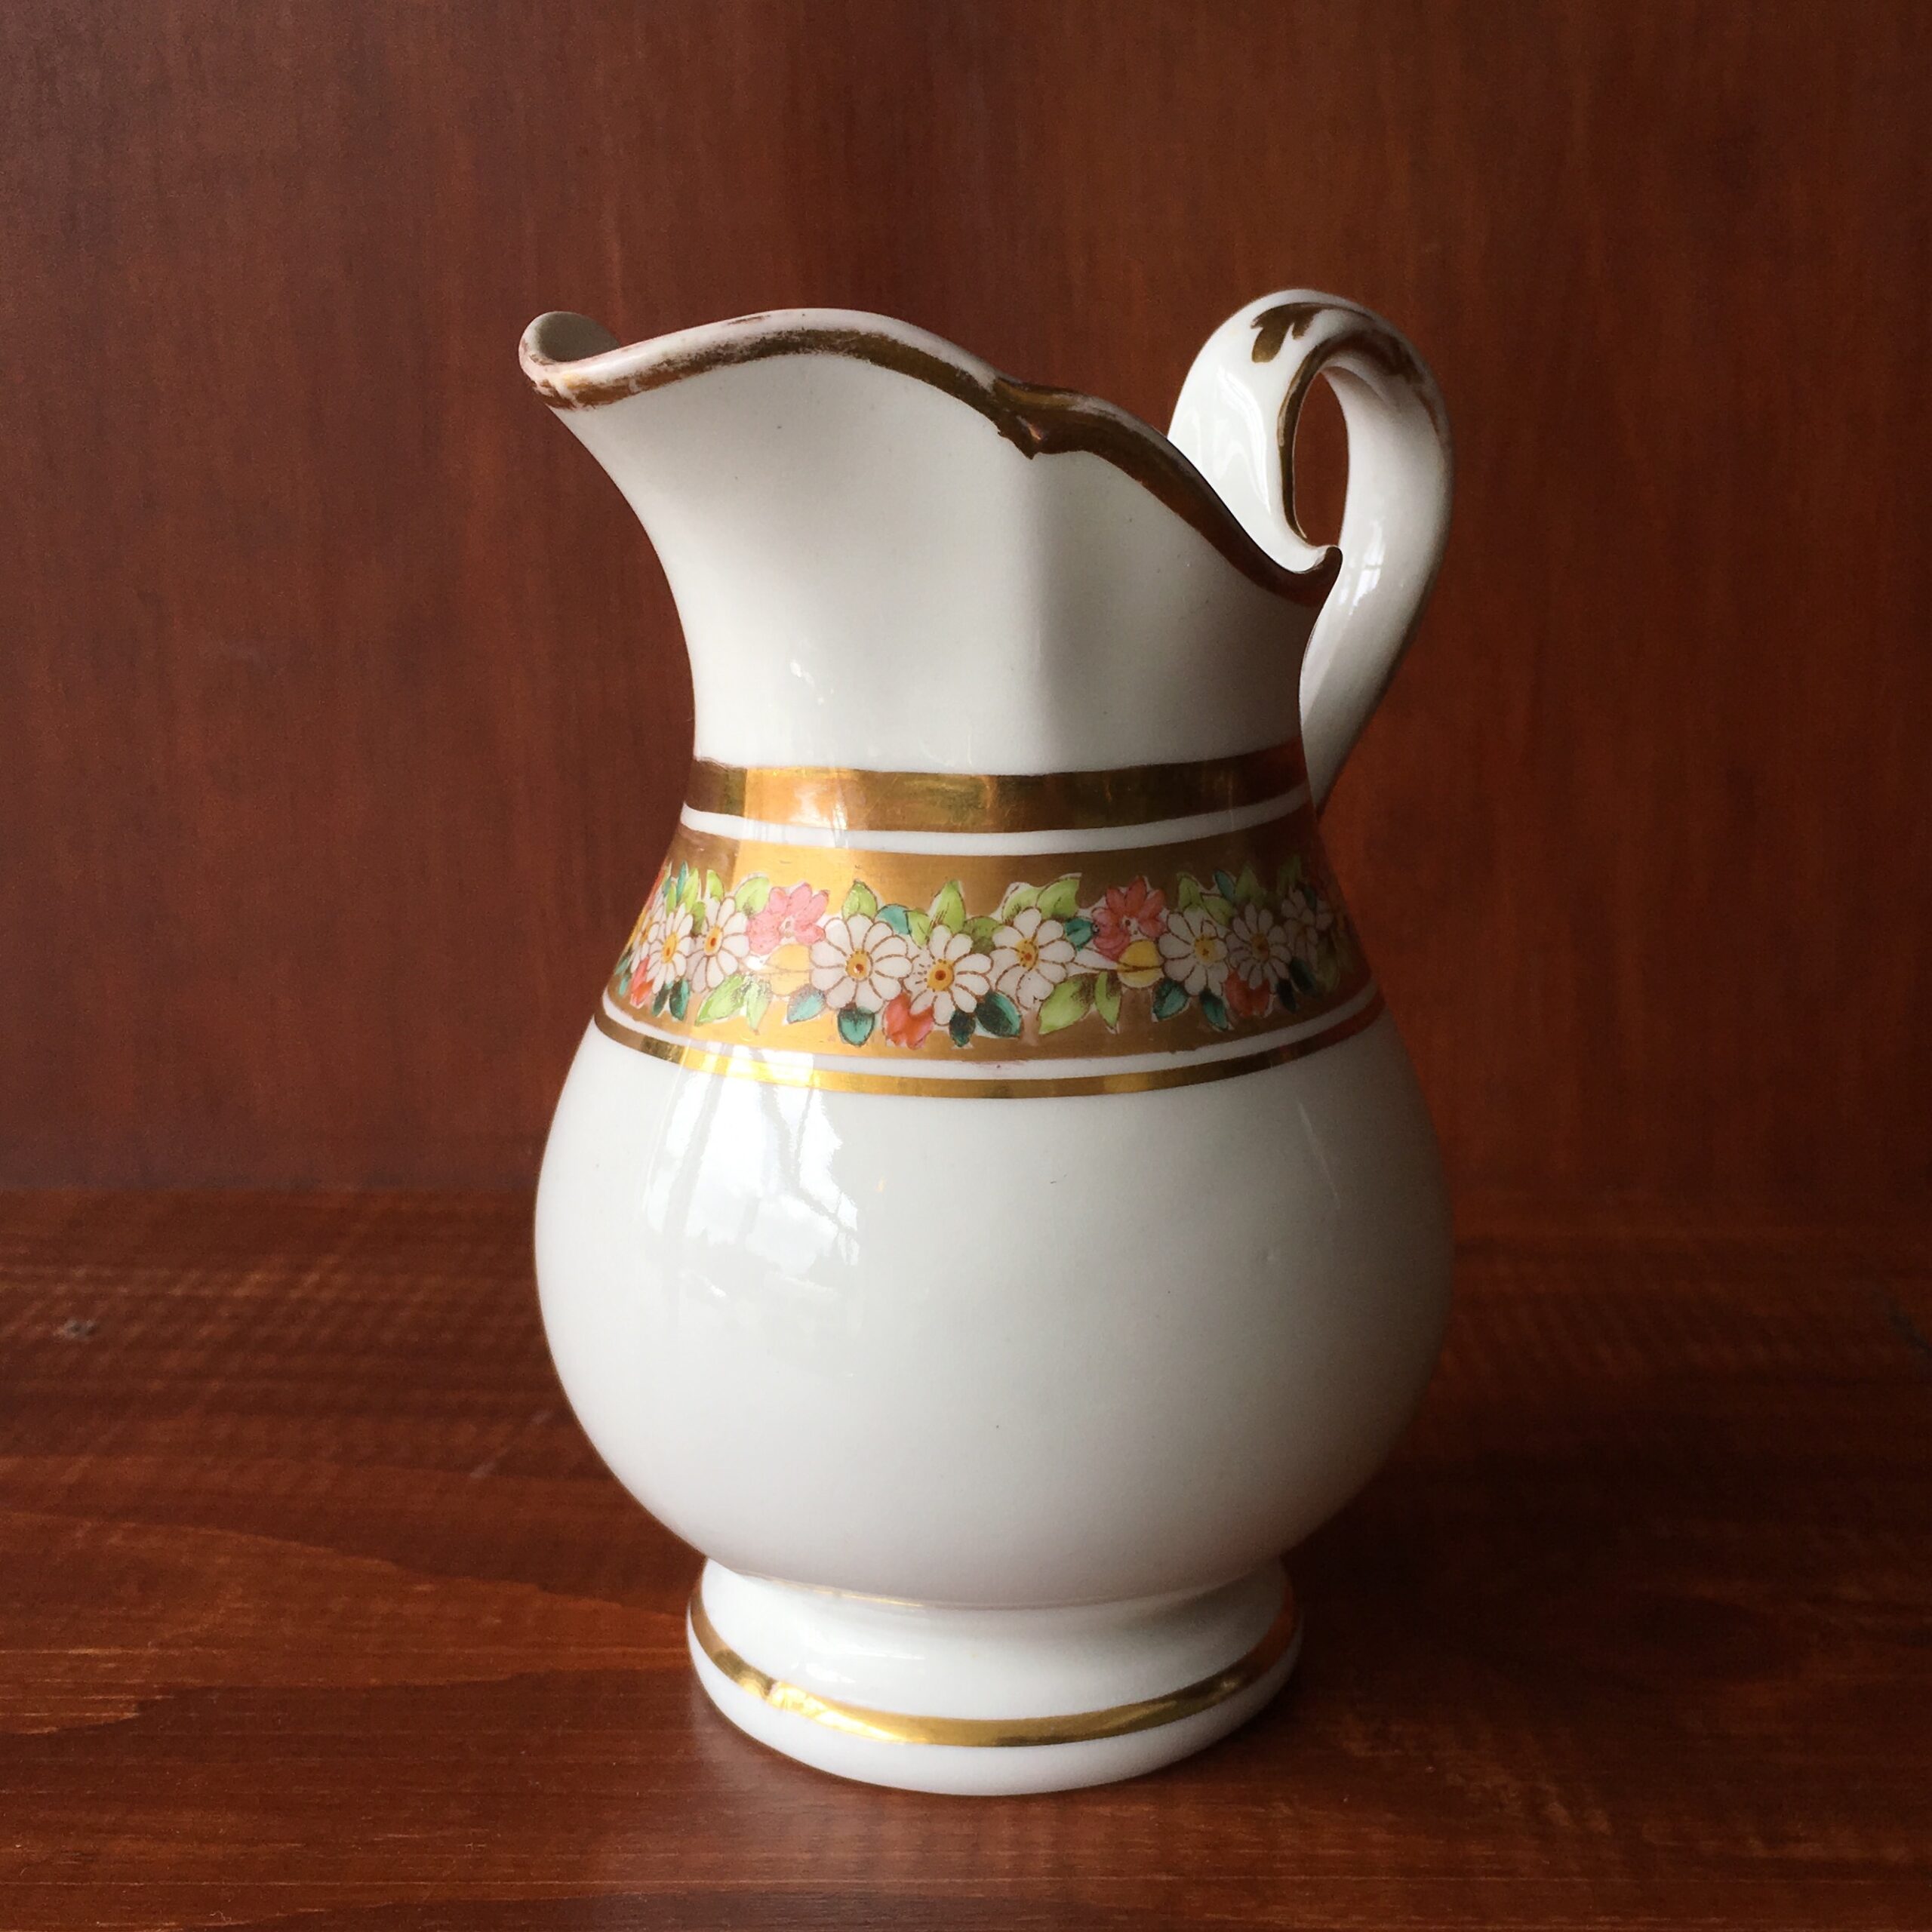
{"points": [[1075, 1727], [843, 800], [750, 1066]]}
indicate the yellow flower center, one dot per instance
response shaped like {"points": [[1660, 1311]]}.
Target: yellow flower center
{"points": [[713, 940], [858, 965], [1208, 947], [939, 975], [1027, 951], [668, 952]]}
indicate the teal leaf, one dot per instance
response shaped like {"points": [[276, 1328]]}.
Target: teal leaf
{"points": [[961, 1027], [1071, 1000], [1188, 895], [855, 1026], [659, 998], [998, 1016], [949, 907], [680, 998], [1224, 884], [860, 899], [1301, 975], [1106, 998], [1079, 930], [897, 918], [1018, 898], [689, 888], [1061, 899], [723, 1000], [920, 925], [1214, 1010], [807, 1003], [1170, 996], [980, 932], [1284, 991], [758, 997], [751, 894]]}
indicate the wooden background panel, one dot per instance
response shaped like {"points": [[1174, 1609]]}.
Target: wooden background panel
{"points": [[347, 709]]}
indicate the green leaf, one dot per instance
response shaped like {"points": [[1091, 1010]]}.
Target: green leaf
{"points": [[1018, 898], [855, 1026], [752, 893], [723, 1000], [668, 892], [680, 998], [1248, 888], [961, 1027], [807, 1003], [998, 1016], [949, 907], [1071, 1000], [1214, 1010], [659, 998], [1216, 907], [1061, 899], [1079, 930], [860, 899], [921, 924], [1188, 895], [1301, 975], [897, 918], [1106, 999], [980, 932], [758, 997], [714, 886], [1170, 996], [689, 888], [1289, 877]]}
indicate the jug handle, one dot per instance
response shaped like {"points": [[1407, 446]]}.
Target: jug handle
{"points": [[1235, 421]]}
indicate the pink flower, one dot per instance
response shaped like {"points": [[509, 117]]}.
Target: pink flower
{"points": [[792, 916], [1130, 911], [903, 1027]]}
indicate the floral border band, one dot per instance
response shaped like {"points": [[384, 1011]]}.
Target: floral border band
{"points": [[896, 961]]}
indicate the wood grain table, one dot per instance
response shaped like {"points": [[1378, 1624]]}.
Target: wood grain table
{"points": [[315, 1607]]}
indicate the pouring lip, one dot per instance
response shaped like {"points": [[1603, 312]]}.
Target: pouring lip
{"points": [[573, 363]]}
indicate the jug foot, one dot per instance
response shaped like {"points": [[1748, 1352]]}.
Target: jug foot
{"points": [[989, 1701]]}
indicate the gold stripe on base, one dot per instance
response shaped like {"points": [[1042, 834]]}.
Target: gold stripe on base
{"points": [[1075, 1727], [849, 800], [745, 1065]]}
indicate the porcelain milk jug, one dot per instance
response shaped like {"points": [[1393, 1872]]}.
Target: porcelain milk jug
{"points": [[991, 1214]]}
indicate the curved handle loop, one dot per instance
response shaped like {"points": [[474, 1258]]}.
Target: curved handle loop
{"points": [[1235, 421]]}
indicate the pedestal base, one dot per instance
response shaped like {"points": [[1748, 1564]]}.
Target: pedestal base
{"points": [[989, 1701]]}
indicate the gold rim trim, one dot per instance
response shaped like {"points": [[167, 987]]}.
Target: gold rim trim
{"points": [[849, 800], [1037, 419], [1075, 1727], [744, 1065]]}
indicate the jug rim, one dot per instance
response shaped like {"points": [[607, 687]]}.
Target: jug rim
{"points": [[573, 363]]}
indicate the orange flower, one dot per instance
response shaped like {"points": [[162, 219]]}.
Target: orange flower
{"points": [[903, 1027]]}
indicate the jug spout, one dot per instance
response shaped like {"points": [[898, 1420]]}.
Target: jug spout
{"points": [[887, 555]]}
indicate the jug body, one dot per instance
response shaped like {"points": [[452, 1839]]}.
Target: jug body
{"points": [[991, 1215]]}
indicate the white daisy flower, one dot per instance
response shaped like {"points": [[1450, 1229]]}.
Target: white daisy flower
{"points": [[1031, 957], [1194, 951], [861, 962], [668, 948], [1308, 921], [1259, 946], [722, 947], [949, 976]]}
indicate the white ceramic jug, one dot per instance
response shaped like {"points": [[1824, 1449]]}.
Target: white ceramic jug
{"points": [[991, 1215]]}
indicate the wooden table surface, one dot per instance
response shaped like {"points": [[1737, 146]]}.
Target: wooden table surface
{"points": [[316, 1607]]}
